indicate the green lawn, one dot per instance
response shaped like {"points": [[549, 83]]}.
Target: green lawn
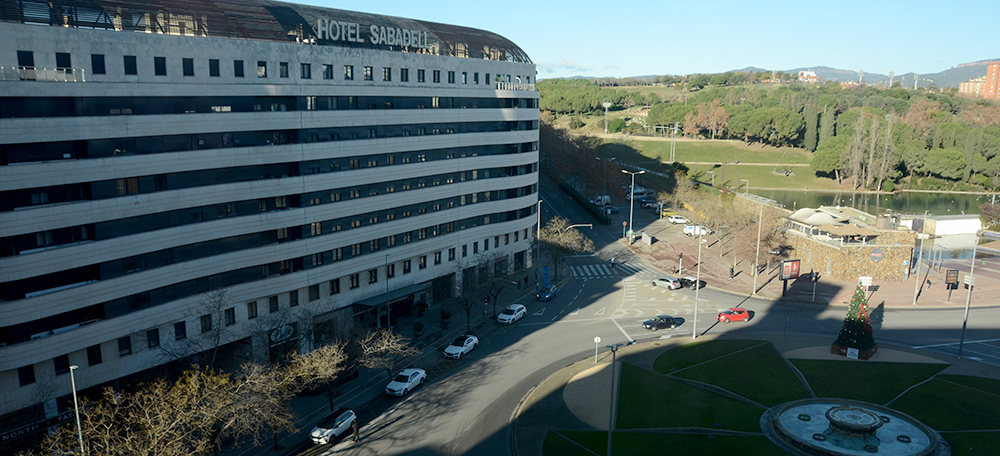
{"points": [[720, 152], [698, 352], [948, 406], [867, 379], [968, 443], [641, 444], [752, 374], [651, 400], [555, 444], [979, 383]]}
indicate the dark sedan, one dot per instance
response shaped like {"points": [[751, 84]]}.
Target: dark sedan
{"points": [[660, 322], [688, 282], [547, 293]]}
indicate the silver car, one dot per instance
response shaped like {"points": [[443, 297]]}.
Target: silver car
{"points": [[672, 283]]}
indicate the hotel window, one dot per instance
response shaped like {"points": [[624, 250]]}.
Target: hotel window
{"points": [[282, 69], [404, 75], [316, 228], [349, 72], [451, 254], [338, 254], [230, 316], [407, 237], [422, 233], [355, 250], [355, 281], [305, 69], [451, 77], [153, 338], [475, 78], [251, 310], [465, 78], [390, 270], [437, 76], [335, 286], [506, 239], [213, 68], [355, 193], [206, 323], [160, 66], [26, 375], [317, 259], [272, 304], [486, 243], [390, 241], [355, 223], [313, 292], [465, 251], [334, 197], [125, 346], [94, 355], [62, 364], [180, 330], [373, 276], [375, 245], [386, 74], [261, 69], [406, 266], [420, 76], [423, 262], [496, 241], [293, 298], [369, 75], [475, 248], [327, 71], [130, 65], [237, 68], [188, 66], [437, 257], [97, 64]]}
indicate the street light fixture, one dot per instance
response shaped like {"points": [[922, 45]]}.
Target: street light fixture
{"points": [[756, 264], [388, 309], [76, 407], [713, 177], [611, 406], [631, 202], [697, 286], [916, 285], [607, 104], [968, 298], [748, 184]]}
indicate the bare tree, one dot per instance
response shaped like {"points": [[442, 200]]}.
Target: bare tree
{"points": [[380, 348], [560, 240]]}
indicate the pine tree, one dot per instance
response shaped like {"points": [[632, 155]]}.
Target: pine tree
{"points": [[857, 330]]}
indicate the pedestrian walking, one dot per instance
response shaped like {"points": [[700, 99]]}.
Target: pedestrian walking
{"points": [[354, 428], [731, 273], [612, 262]]}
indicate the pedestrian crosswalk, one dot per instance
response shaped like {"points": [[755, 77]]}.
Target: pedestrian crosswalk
{"points": [[604, 270]]}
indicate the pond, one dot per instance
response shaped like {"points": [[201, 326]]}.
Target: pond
{"points": [[877, 203]]}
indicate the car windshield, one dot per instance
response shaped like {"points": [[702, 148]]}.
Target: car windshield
{"points": [[401, 378], [331, 420], [458, 342], [508, 311], [727, 312]]}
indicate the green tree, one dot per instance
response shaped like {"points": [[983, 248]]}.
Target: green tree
{"points": [[829, 157], [857, 329], [827, 120], [811, 137], [946, 163]]}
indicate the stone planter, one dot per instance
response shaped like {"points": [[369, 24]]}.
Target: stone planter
{"points": [[862, 354]]}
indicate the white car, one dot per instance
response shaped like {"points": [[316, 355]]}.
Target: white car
{"points": [[405, 381], [675, 219], [333, 426], [672, 283], [460, 346], [511, 313]]}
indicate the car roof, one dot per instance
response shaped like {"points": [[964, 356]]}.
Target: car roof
{"points": [[737, 309], [514, 306], [410, 370], [667, 278]]}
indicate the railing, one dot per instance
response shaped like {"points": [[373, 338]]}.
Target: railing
{"points": [[516, 86], [42, 74]]}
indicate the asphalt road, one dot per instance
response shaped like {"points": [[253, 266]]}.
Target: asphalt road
{"points": [[465, 406]]}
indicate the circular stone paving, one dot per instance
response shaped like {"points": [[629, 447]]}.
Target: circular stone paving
{"points": [[840, 427]]}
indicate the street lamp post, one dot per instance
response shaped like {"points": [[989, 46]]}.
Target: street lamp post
{"points": [[611, 406], [697, 286], [388, 310], [76, 408], [607, 104], [756, 265], [748, 184], [968, 298], [713, 177], [916, 284], [631, 202]]}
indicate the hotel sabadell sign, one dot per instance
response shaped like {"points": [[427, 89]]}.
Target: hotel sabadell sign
{"points": [[334, 30]]}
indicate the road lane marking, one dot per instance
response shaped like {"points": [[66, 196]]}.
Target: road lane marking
{"points": [[539, 312], [630, 339], [601, 312]]}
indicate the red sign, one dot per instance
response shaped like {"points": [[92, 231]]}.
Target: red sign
{"points": [[790, 269], [624, 223]]}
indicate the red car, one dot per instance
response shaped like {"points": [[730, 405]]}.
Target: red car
{"points": [[734, 314]]}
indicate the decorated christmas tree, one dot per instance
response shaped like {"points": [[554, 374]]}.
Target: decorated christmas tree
{"points": [[857, 330]]}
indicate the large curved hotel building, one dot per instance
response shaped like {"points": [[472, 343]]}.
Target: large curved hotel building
{"points": [[249, 174]]}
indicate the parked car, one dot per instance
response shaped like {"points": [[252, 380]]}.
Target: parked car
{"points": [[334, 425], [405, 381], [734, 314], [675, 219], [689, 282], [547, 293], [461, 345], [660, 322], [666, 281], [696, 230], [667, 213], [650, 204], [511, 313]]}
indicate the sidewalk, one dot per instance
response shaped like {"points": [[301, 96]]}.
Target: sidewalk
{"points": [[357, 393], [664, 252]]}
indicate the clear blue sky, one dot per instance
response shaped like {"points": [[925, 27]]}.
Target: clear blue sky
{"points": [[616, 39]]}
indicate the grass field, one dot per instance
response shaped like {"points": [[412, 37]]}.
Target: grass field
{"points": [[965, 409]]}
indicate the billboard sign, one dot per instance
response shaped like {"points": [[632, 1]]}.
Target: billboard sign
{"points": [[790, 269]]}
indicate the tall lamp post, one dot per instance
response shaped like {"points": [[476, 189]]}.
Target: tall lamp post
{"points": [[611, 406], [748, 184], [605, 172], [713, 177], [607, 104], [968, 298], [756, 265], [697, 286], [76, 407], [916, 285], [538, 244], [388, 310], [631, 202]]}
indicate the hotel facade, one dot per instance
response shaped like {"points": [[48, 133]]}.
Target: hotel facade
{"points": [[254, 175]]}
